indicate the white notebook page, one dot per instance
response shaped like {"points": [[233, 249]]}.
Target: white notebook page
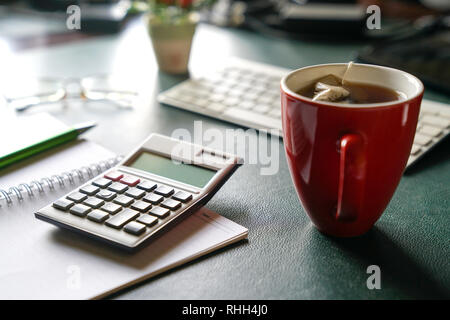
{"points": [[41, 261]]}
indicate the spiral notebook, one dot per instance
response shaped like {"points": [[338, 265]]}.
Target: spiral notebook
{"points": [[41, 261]]}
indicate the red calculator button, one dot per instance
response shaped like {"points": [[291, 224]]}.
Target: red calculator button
{"points": [[130, 180], [114, 175]]}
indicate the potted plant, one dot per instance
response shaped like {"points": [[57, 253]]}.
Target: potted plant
{"points": [[171, 25]]}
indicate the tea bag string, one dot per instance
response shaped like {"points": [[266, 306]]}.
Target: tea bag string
{"points": [[349, 66]]}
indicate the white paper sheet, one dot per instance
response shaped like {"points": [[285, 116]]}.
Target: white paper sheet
{"points": [[40, 261]]}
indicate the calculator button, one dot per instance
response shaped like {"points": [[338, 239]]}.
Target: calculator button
{"points": [[80, 210], [146, 185], [114, 176], [98, 216], [171, 204], [135, 228], [147, 219], [182, 196], [111, 208], [153, 198], [118, 187], [90, 190], [106, 195], [164, 191], [77, 197], [135, 193], [63, 204], [141, 206], [159, 212], [121, 218], [130, 180], [123, 200], [94, 202], [102, 182]]}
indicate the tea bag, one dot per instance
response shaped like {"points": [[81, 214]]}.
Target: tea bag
{"points": [[327, 92], [330, 88]]}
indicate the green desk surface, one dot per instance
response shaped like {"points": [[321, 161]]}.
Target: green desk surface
{"points": [[285, 257]]}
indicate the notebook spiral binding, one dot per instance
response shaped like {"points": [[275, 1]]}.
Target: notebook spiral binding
{"points": [[58, 180]]}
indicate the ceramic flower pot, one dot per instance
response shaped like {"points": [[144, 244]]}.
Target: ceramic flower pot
{"points": [[172, 42]]}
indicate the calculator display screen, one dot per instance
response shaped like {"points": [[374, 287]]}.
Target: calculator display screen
{"points": [[162, 166]]}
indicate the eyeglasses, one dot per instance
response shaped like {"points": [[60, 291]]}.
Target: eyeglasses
{"points": [[24, 94]]}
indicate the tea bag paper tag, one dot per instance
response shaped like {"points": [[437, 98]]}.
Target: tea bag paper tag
{"points": [[326, 92], [330, 88]]}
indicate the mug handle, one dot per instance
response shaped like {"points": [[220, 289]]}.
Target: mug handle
{"points": [[352, 172]]}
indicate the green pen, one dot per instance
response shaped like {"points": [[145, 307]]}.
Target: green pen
{"points": [[46, 144]]}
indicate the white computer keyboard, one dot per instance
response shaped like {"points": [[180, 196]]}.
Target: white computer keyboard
{"points": [[248, 94]]}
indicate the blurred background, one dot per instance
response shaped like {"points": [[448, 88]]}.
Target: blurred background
{"points": [[27, 24], [39, 38]]}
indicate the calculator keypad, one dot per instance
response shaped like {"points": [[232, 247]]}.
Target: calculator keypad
{"points": [[98, 216], [90, 190], [118, 187], [94, 202], [80, 210], [77, 197], [124, 202]]}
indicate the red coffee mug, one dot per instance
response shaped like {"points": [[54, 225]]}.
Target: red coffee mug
{"points": [[346, 160]]}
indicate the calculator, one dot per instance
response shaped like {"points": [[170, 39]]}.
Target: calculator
{"points": [[161, 181]]}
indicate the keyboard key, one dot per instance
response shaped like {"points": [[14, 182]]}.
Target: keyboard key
{"points": [[130, 180], [80, 210], [252, 118], [415, 150], [124, 200], [436, 121], [164, 191], [262, 108], [111, 208], [422, 140], [98, 216], [102, 182], [135, 228], [246, 104], [146, 185], [147, 219], [275, 112], [202, 103], [94, 202], [120, 219], [77, 197], [141, 206], [135, 193], [63, 204], [430, 131], [90, 190], [118, 187], [106, 195], [231, 102], [159, 212], [114, 176], [171, 204], [215, 107], [153, 198]]}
